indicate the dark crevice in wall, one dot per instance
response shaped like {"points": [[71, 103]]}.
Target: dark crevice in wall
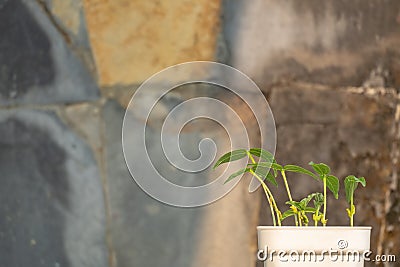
{"points": [[84, 54], [60, 29]]}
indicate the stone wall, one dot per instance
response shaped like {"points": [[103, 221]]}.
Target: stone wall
{"points": [[330, 71]]}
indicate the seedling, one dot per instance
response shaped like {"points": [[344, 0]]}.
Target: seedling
{"points": [[300, 209], [350, 183], [261, 170], [330, 181]]}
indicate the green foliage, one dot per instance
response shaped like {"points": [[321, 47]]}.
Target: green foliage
{"points": [[264, 173], [236, 174], [298, 169], [350, 185], [231, 156], [333, 184], [263, 154], [320, 168], [300, 210]]}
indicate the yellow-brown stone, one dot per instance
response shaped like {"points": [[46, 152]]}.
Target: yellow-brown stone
{"points": [[68, 11], [133, 39]]}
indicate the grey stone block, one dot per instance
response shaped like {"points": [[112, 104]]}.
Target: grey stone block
{"points": [[69, 16], [36, 64], [144, 231], [51, 195]]}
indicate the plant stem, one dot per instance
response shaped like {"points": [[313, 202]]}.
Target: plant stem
{"points": [[269, 202], [316, 214], [267, 192], [352, 214], [324, 214], [265, 189], [278, 212], [270, 206], [288, 191], [270, 197]]}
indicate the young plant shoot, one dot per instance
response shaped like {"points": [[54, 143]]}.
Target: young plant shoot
{"points": [[330, 181], [350, 183]]}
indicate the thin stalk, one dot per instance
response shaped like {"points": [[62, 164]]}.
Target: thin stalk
{"points": [[269, 196], [270, 206], [323, 216], [352, 214], [265, 190], [316, 221], [288, 191], [298, 214], [278, 212]]}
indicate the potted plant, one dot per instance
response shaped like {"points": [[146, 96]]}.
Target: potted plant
{"points": [[310, 242]]}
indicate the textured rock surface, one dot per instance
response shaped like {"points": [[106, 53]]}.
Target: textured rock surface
{"points": [[67, 198], [353, 131], [36, 65], [158, 35], [51, 197], [69, 18], [335, 42], [146, 232], [143, 230]]}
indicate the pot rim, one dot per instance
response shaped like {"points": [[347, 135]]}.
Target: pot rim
{"points": [[312, 228]]}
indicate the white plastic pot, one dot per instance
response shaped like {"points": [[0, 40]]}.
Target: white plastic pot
{"points": [[313, 246]]}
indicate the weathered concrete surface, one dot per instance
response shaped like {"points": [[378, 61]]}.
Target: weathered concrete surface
{"points": [[86, 120], [68, 16], [144, 232], [132, 40], [51, 198], [354, 131], [334, 42], [147, 233], [37, 67]]}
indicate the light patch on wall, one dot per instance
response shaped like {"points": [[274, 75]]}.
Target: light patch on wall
{"points": [[132, 40], [68, 11]]}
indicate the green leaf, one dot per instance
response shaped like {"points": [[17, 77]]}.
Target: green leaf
{"points": [[271, 179], [260, 164], [263, 154], [298, 169], [318, 200], [320, 168], [350, 184], [264, 173], [231, 156], [332, 182], [236, 174], [287, 214], [310, 210], [298, 205], [362, 181], [307, 199], [277, 167], [274, 166]]}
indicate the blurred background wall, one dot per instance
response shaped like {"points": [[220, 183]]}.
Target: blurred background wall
{"points": [[329, 69]]}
